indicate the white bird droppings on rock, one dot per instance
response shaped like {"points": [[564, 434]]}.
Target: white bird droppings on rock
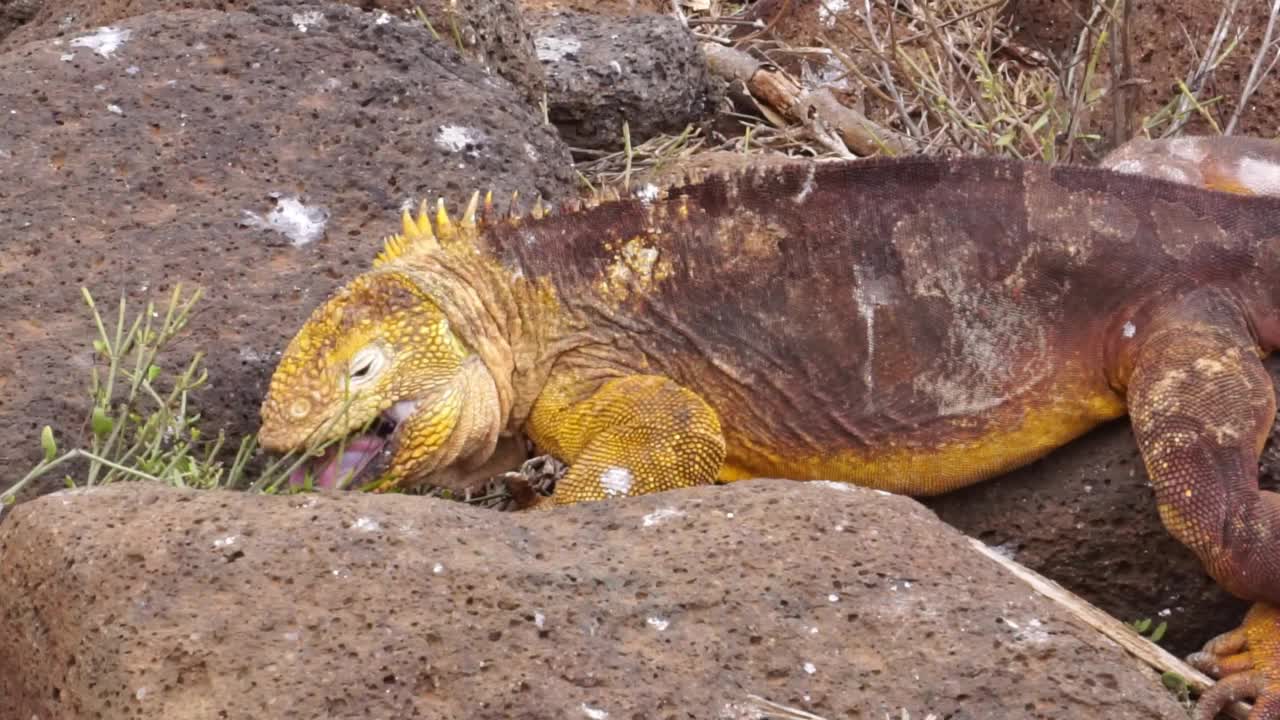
{"points": [[298, 222], [658, 623], [366, 524], [594, 713], [304, 20], [810, 668], [455, 137], [661, 515], [227, 541], [437, 568], [104, 40], [555, 49]]}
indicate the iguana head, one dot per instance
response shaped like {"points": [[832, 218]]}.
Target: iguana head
{"points": [[378, 372]]}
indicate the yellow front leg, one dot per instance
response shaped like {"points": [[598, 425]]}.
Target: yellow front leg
{"points": [[634, 435]]}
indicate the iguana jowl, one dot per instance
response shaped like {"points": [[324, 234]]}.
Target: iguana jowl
{"points": [[913, 325]]}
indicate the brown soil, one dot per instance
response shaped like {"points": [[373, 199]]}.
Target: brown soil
{"points": [[1161, 54]]}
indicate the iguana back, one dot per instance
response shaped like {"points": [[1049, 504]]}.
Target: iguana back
{"points": [[913, 325]]}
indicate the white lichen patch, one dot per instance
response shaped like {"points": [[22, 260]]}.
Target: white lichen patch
{"points": [[616, 481], [382, 18], [1189, 149], [456, 138], [830, 10], [299, 223], [658, 623], [661, 515], [113, 108], [554, 49], [594, 713], [539, 620], [437, 569], [810, 668], [104, 41], [225, 542], [1129, 167], [1033, 632], [833, 598], [366, 524], [304, 21]]}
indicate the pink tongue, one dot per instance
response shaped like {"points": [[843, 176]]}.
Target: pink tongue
{"points": [[330, 469]]}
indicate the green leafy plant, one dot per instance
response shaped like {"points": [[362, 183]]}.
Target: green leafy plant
{"points": [[1177, 685], [1144, 625], [142, 423]]}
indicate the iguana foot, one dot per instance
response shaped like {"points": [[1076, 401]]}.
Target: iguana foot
{"points": [[531, 486], [1246, 663]]}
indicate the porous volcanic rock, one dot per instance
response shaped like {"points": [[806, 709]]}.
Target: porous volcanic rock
{"points": [[146, 602], [15, 13], [491, 31], [235, 152], [601, 71]]}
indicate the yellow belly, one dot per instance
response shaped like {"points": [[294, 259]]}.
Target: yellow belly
{"points": [[912, 466]]}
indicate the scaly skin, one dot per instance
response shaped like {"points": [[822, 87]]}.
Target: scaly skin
{"points": [[914, 325], [1247, 660]]}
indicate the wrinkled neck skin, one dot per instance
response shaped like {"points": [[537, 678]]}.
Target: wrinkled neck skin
{"points": [[508, 322]]}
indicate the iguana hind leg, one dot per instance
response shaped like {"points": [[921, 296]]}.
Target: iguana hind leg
{"points": [[636, 434], [1201, 405]]}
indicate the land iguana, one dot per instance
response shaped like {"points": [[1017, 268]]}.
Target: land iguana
{"points": [[914, 325]]}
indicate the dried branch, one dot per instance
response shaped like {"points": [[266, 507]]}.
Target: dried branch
{"points": [[783, 100]]}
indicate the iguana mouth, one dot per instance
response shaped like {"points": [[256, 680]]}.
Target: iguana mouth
{"points": [[360, 458]]}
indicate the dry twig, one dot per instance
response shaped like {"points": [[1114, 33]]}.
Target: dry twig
{"points": [[1256, 72]]}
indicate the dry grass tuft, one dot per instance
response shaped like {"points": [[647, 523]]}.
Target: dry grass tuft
{"points": [[948, 77]]}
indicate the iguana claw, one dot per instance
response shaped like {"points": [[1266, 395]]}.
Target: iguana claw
{"points": [[1246, 662]]}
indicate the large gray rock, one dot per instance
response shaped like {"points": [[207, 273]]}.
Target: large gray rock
{"points": [[258, 156], [146, 602], [645, 70], [491, 32]]}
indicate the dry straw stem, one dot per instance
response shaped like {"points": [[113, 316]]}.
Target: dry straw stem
{"points": [[1257, 73], [948, 75], [1123, 635], [1178, 111]]}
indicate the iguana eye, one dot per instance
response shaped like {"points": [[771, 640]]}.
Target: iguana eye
{"points": [[366, 365]]}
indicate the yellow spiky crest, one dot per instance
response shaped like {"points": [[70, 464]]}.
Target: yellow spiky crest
{"points": [[421, 234]]}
